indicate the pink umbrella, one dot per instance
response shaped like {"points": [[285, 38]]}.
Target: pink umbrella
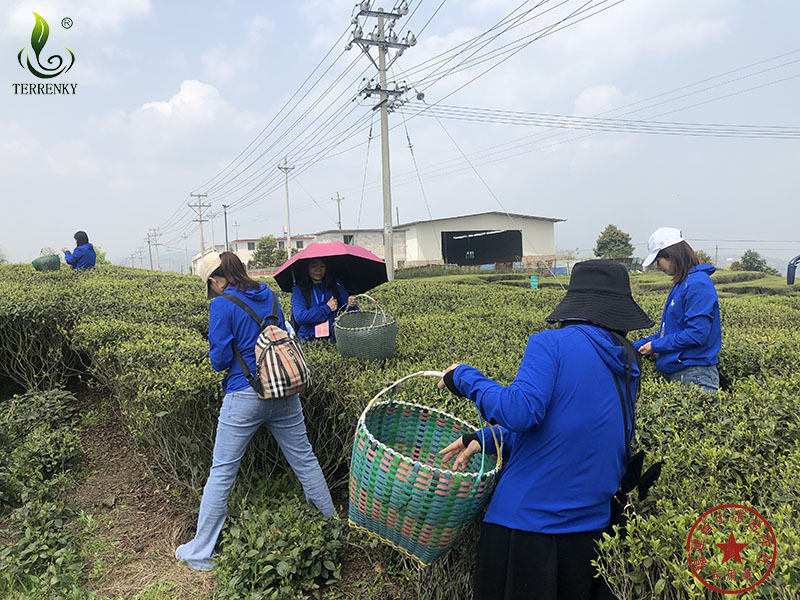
{"points": [[358, 269]]}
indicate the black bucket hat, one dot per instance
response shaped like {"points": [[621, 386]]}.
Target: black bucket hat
{"points": [[600, 293]]}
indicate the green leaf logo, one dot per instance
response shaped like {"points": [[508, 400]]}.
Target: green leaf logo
{"points": [[41, 31]]}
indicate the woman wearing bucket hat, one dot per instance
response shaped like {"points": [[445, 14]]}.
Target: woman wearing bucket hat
{"points": [[242, 411], [688, 342], [566, 426]]}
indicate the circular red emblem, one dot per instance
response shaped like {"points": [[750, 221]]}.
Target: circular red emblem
{"points": [[731, 548]]}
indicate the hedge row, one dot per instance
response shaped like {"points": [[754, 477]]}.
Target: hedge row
{"points": [[142, 336]]}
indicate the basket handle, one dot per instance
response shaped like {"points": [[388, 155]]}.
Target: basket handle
{"points": [[378, 307], [498, 445]]}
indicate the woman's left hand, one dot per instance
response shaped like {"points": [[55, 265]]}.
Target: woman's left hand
{"points": [[65, 249], [462, 453], [646, 348], [351, 301]]}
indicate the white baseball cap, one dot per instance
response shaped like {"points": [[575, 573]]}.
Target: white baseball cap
{"points": [[207, 265], [663, 237]]}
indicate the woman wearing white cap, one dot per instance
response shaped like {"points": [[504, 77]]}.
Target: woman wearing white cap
{"points": [[231, 333], [688, 342]]}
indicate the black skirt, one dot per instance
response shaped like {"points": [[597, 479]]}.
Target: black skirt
{"points": [[520, 565]]}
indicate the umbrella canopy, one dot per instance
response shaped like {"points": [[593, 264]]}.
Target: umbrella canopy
{"points": [[357, 268]]}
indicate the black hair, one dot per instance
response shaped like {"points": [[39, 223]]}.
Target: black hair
{"points": [[81, 239], [305, 283], [232, 269]]}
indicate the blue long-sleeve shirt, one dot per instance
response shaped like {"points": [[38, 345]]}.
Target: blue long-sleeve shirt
{"points": [[228, 324], [83, 257], [562, 428], [690, 332], [308, 315]]}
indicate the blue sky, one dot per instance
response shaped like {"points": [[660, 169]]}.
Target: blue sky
{"points": [[169, 93]]}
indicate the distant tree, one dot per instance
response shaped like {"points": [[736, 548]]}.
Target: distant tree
{"points": [[101, 256], [267, 253], [3, 258], [735, 266], [613, 243], [752, 261], [704, 257]]}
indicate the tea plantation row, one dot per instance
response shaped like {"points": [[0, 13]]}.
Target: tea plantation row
{"points": [[141, 336]]}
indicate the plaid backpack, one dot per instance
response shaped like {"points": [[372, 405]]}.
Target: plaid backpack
{"points": [[280, 365]]}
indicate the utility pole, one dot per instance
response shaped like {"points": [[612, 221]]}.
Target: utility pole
{"points": [[716, 254], [286, 168], [186, 254], [339, 209], [384, 37], [132, 256], [236, 229], [211, 218], [149, 250], [140, 254], [155, 243], [199, 208], [397, 210], [225, 213]]}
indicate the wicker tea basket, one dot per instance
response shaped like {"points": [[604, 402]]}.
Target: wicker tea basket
{"points": [[400, 491], [49, 262], [366, 334]]}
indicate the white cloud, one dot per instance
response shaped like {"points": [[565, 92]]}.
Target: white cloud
{"points": [[196, 101]]}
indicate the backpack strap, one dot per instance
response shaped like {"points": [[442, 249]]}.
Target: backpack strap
{"points": [[252, 379]]}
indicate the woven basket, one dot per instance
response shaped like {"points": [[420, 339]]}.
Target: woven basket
{"points": [[366, 334], [400, 491], [49, 262]]}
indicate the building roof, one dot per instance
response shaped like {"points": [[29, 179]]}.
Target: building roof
{"points": [[491, 212], [352, 231]]}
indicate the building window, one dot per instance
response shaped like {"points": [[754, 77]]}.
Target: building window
{"points": [[298, 244], [251, 245], [469, 254], [280, 244], [348, 239]]}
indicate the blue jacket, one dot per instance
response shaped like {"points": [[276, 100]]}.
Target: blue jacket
{"points": [[308, 316], [562, 425], [82, 257], [690, 332], [228, 323]]}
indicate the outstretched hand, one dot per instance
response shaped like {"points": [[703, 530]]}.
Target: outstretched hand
{"points": [[441, 383], [461, 452]]}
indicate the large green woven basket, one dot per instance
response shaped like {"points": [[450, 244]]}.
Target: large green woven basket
{"points": [[400, 491], [50, 262], [368, 334]]}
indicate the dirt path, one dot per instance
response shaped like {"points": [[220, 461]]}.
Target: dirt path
{"points": [[133, 523]]}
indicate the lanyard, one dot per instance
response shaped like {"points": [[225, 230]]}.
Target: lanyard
{"points": [[319, 299]]}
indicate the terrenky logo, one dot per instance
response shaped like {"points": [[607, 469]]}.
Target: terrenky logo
{"points": [[57, 66]]}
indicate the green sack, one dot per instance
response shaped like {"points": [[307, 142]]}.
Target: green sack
{"points": [[51, 262]]}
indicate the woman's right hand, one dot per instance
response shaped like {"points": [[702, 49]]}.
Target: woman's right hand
{"points": [[461, 452], [333, 304], [65, 249]]}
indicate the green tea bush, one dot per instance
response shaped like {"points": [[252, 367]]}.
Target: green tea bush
{"points": [[141, 335], [275, 546]]}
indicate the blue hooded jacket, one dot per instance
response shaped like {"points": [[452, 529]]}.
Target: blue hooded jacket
{"points": [[228, 322], [690, 332], [308, 316], [562, 427], [83, 257]]}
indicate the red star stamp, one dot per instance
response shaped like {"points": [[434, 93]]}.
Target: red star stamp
{"points": [[731, 548]]}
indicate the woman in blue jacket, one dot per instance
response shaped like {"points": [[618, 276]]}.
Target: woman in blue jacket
{"points": [[688, 342], [316, 300], [243, 412], [566, 424], [84, 256]]}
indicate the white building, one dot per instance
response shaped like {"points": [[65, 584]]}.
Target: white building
{"points": [[469, 239]]}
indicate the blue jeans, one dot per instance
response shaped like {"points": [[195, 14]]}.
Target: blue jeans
{"points": [[704, 377], [241, 415]]}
